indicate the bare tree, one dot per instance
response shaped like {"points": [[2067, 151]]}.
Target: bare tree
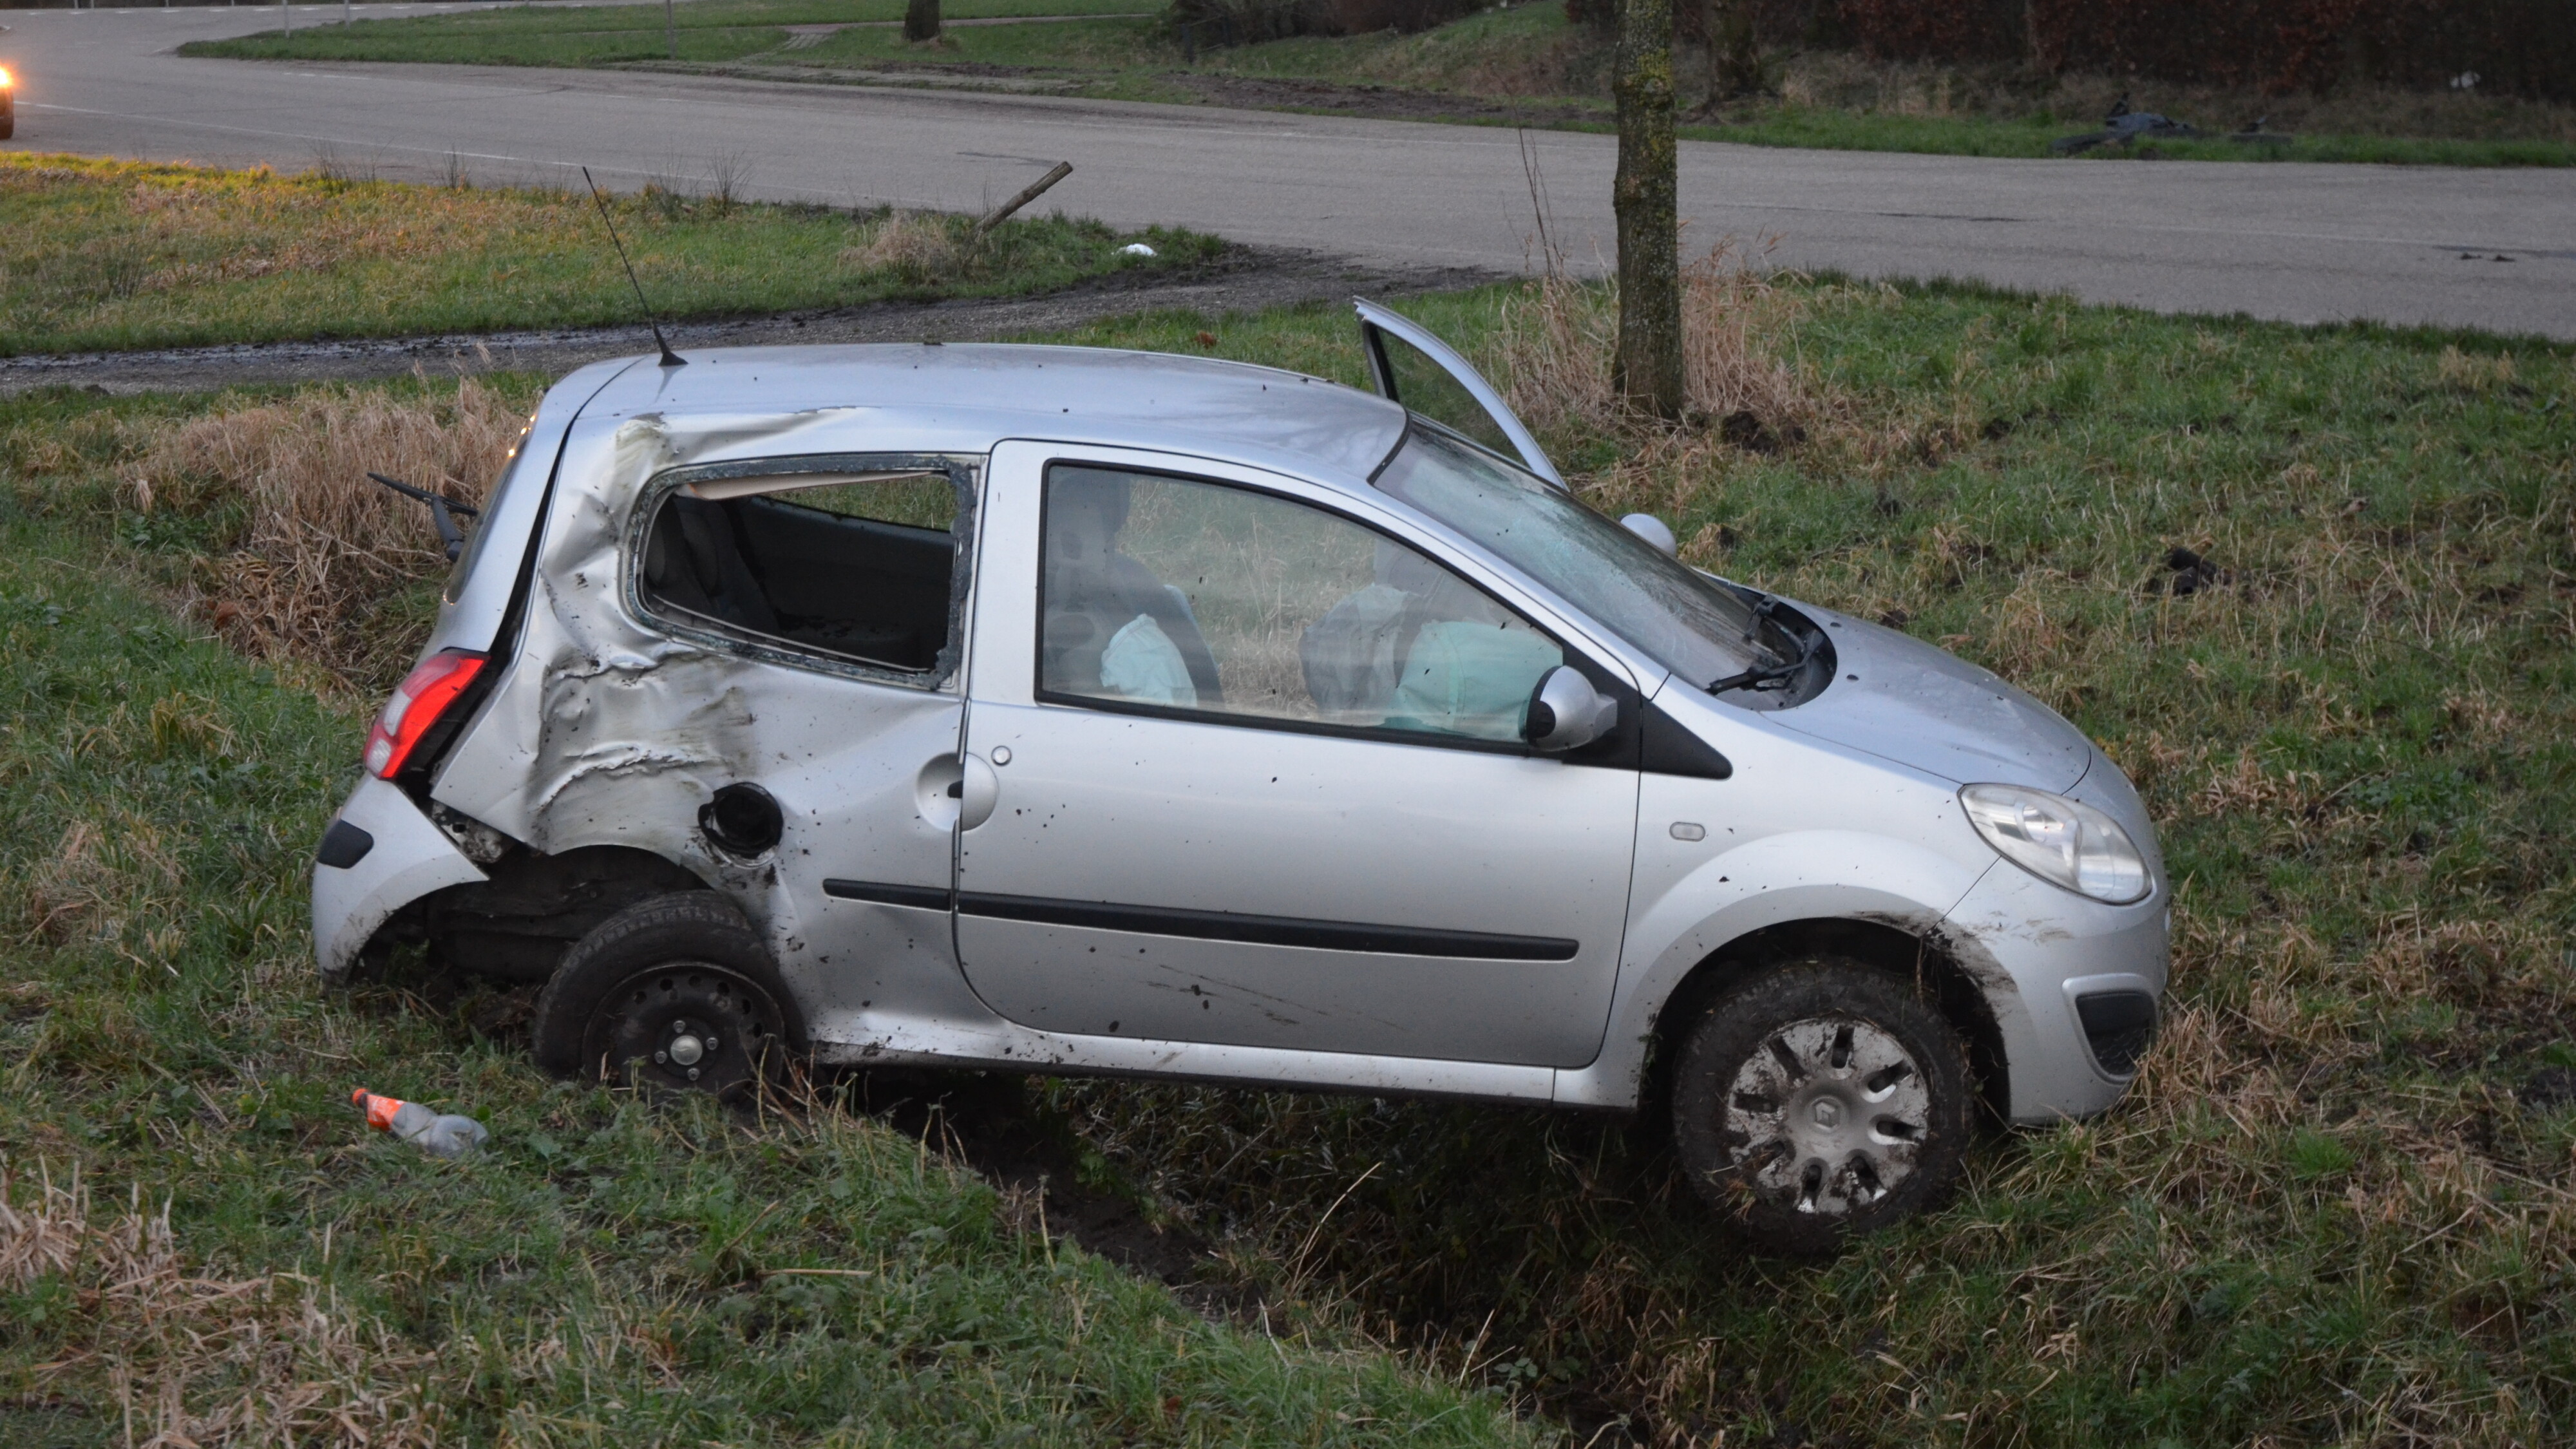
{"points": [[1648, 366]]}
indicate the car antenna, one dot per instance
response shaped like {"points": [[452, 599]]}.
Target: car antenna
{"points": [[669, 358]]}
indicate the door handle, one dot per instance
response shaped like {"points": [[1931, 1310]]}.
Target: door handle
{"points": [[979, 789]]}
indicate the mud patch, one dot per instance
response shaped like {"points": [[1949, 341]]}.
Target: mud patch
{"points": [[985, 1119], [1384, 103]]}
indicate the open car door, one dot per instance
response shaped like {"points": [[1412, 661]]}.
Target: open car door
{"points": [[1423, 373]]}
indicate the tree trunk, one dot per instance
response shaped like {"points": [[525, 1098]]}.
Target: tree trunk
{"points": [[1647, 369], [921, 21]]}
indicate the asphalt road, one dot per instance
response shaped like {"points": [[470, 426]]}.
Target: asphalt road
{"points": [[2491, 249]]}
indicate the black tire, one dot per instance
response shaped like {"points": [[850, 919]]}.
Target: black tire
{"points": [[1820, 1100], [637, 999]]}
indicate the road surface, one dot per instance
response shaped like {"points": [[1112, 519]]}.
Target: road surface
{"points": [[2491, 249]]}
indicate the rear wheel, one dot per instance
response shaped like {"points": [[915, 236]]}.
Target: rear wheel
{"points": [[1820, 1100], [677, 991]]}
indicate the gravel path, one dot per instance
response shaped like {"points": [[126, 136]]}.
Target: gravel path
{"points": [[1256, 279]]}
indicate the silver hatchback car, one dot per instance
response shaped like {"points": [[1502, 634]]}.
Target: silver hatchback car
{"points": [[1069, 710]]}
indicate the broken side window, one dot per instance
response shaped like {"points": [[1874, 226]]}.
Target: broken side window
{"points": [[858, 566]]}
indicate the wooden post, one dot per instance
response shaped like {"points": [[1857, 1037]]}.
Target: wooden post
{"points": [[671, 27], [1035, 189], [1647, 368]]}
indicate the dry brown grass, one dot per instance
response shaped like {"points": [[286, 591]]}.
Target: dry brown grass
{"points": [[101, 876], [918, 246], [321, 544], [192, 1359], [1552, 346]]}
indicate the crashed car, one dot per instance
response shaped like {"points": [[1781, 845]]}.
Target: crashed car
{"points": [[1069, 710]]}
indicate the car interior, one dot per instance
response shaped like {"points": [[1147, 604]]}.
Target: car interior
{"points": [[863, 588]]}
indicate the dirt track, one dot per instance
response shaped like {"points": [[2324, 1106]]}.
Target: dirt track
{"points": [[1255, 278]]}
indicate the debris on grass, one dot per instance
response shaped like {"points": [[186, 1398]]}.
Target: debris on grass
{"points": [[440, 1134]]}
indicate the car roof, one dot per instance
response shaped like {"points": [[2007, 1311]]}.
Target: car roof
{"points": [[956, 397]]}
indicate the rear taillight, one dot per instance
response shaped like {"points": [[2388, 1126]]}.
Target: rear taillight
{"points": [[417, 706]]}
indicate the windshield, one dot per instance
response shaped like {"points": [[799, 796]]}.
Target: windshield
{"points": [[1679, 617]]}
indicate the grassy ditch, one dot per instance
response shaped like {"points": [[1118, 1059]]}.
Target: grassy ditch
{"points": [[199, 1243], [2341, 1205], [1521, 64], [117, 255], [2314, 588], [705, 30]]}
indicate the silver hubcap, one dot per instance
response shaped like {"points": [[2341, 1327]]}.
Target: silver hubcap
{"points": [[1828, 1115]]}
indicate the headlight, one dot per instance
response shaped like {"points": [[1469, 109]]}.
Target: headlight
{"points": [[6, 79], [2063, 842]]}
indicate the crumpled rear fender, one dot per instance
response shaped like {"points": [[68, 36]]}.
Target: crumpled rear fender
{"points": [[406, 858]]}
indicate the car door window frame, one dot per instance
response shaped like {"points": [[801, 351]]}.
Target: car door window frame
{"points": [[1037, 661], [1378, 322], [965, 474]]}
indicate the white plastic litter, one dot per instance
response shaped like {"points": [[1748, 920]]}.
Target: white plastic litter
{"points": [[1135, 249], [439, 1135]]}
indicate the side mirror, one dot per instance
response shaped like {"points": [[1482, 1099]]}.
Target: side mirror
{"points": [[1566, 712], [1653, 530]]}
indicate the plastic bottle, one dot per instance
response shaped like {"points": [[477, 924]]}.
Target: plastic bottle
{"points": [[433, 1133]]}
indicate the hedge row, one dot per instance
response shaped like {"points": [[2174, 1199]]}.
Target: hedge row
{"points": [[2519, 47]]}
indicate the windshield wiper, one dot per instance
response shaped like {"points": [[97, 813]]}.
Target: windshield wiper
{"points": [[1771, 676], [442, 513]]}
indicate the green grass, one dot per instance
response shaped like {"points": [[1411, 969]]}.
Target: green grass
{"points": [[1527, 59], [1841, 130], [2339, 1208], [709, 30], [614, 1272], [116, 255]]}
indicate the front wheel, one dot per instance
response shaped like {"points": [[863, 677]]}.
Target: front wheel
{"points": [[675, 991], [1820, 1100]]}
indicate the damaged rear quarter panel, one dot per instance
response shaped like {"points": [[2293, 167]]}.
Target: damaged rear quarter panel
{"points": [[607, 731]]}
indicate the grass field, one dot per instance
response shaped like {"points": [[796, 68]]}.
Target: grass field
{"points": [[707, 30], [1521, 64], [117, 255], [200, 1243], [2339, 1208]]}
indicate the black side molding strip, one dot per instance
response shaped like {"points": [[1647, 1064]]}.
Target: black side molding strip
{"points": [[928, 898], [343, 845], [1267, 930]]}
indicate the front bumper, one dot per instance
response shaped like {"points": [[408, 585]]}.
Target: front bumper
{"points": [[2048, 959], [381, 855]]}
